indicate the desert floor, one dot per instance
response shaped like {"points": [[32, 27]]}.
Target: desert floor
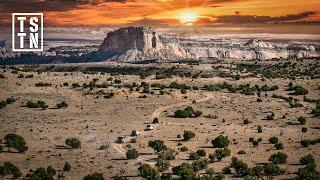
{"points": [[98, 121]]}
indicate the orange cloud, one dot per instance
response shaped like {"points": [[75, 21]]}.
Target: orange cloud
{"points": [[163, 12]]}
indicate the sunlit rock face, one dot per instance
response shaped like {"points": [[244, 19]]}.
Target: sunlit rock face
{"points": [[131, 38], [142, 43]]}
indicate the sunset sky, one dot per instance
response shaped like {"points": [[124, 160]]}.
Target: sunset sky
{"points": [[165, 12]]}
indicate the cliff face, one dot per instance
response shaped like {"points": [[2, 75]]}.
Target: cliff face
{"points": [[142, 43], [131, 38]]}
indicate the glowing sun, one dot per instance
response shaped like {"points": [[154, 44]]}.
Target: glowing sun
{"points": [[188, 17]]}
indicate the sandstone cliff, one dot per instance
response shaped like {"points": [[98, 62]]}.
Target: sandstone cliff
{"points": [[142, 43]]}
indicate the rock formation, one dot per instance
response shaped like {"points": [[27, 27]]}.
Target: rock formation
{"points": [[141, 43]]}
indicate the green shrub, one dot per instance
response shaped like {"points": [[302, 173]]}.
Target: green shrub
{"points": [[15, 141], [132, 154], [271, 169], [94, 176], [42, 84], [183, 91], [75, 85], [42, 174], [304, 129], [74, 143], [278, 158], [157, 145], [66, 167], [305, 143], [194, 156], [308, 172], [184, 171], [187, 135], [166, 176], [63, 104], [167, 154], [302, 120], [316, 111], [10, 100], [242, 152], [299, 90], [222, 153], [3, 104], [212, 157], [10, 169], [162, 164], [187, 112], [258, 171], [181, 114], [271, 116], [273, 140], [279, 146], [2, 76], [200, 164], [147, 172], [38, 104], [1, 149], [246, 121], [221, 142], [259, 129], [184, 149], [201, 152], [240, 167], [308, 159]]}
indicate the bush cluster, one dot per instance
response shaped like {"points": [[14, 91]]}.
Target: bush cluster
{"points": [[298, 90], [15, 141], [221, 142], [4, 103], [74, 143], [187, 135], [42, 84], [42, 173], [147, 172], [132, 154], [157, 145], [242, 169], [187, 112], [9, 169], [63, 104], [38, 104], [220, 154], [94, 176], [278, 158]]}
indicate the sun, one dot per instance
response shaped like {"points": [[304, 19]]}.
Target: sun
{"points": [[188, 17]]}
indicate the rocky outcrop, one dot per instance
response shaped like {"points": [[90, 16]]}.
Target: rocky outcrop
{"points": [[257, 44], [140, 43]]}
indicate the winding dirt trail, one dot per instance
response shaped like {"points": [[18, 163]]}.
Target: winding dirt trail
{"points": [[156, 114]]}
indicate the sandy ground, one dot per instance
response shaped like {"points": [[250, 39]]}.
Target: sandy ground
{"points": [[98, 121]]}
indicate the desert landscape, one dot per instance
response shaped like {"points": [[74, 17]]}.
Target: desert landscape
{"points": [[197, 118]]}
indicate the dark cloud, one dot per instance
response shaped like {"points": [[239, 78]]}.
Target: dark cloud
{"points": [[242, 19], [10, 6]]}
